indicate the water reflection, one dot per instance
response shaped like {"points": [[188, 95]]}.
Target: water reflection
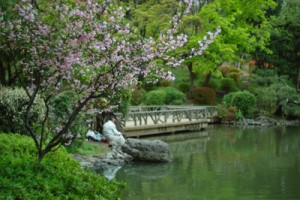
{"points": [[147, 171], [222, 163], [109, 171], [191, 143]]}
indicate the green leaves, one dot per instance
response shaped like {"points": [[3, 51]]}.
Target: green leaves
{"points": [[243, 100], [58, 176]]}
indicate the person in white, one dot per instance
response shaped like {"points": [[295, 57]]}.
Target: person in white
{"points": [[115, 137]]}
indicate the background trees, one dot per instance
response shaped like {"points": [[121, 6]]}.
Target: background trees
{"points": [[285, 43], [245, 29]]}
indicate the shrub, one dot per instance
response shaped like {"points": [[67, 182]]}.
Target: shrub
{"points": [[203, 95], [228, 85], [183, 87], [174, 96], [164, 83], [137, 96], [235, 76], [230, 72], [58, 176], [13, 104], [228, 114], [266, 103], [156, 97], [243, 100], [214, 83], [224, 70]]}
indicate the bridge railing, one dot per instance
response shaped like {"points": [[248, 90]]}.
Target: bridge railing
{"points": [[149, 115]]}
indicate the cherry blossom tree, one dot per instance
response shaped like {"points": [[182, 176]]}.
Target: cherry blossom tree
{"points": [[84, 47]]}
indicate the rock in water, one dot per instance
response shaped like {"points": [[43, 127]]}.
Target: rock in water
{"points": [[147, 150]]}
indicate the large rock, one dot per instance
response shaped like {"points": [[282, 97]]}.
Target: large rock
{"points": [[147, 150]]}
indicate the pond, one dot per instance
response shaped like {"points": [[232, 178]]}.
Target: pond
{"points": [[222, 162]]}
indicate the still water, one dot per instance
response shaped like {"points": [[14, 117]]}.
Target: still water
{"points": [[222, 162]]}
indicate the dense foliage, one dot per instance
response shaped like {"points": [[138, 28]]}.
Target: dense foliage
{"points": [[203, 96], [155, 97], [58, 176], [165, 96], [137, 96], [174, 96], [13, 103], [243, 100]]}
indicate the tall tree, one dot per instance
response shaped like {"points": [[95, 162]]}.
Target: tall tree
{"points": [[245, 28], [285, 41]]}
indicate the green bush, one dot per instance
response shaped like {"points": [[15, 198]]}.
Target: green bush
{"points": [[243, 100], [164, 83], [174, 96], [203, 95], [229, 114], [58, 176], [13, 104], [156, 97], [214, 83], [183, 87], [228, 85], [137, 96]]}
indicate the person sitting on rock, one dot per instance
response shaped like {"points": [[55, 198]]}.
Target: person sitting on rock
{"points": [[116, 139]]}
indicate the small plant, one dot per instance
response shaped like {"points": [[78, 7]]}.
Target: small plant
{"points": [[228, 114]]}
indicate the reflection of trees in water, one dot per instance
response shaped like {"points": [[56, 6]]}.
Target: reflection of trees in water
{"points": [[147, 170], [187, 143], [233, 158], [188, 146], [287, 140]]}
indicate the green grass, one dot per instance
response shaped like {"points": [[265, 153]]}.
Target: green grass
{"points": [[86, 148]]}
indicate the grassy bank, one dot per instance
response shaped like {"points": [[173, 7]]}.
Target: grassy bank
{"points": [[88, 148]]}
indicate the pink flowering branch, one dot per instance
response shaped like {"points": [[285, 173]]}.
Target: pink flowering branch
{"points": [[84, 49]]}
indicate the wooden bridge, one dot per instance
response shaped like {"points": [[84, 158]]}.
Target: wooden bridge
{"points": [[151, 120]]}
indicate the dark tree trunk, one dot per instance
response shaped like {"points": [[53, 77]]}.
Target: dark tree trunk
{"points": [[209, 75], [191, 74], [207, 79], [2, 74]]}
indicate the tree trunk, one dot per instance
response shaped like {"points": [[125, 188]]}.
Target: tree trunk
{"points": [[207, 79], [2, 74], [209, 75], [191, 74]]}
